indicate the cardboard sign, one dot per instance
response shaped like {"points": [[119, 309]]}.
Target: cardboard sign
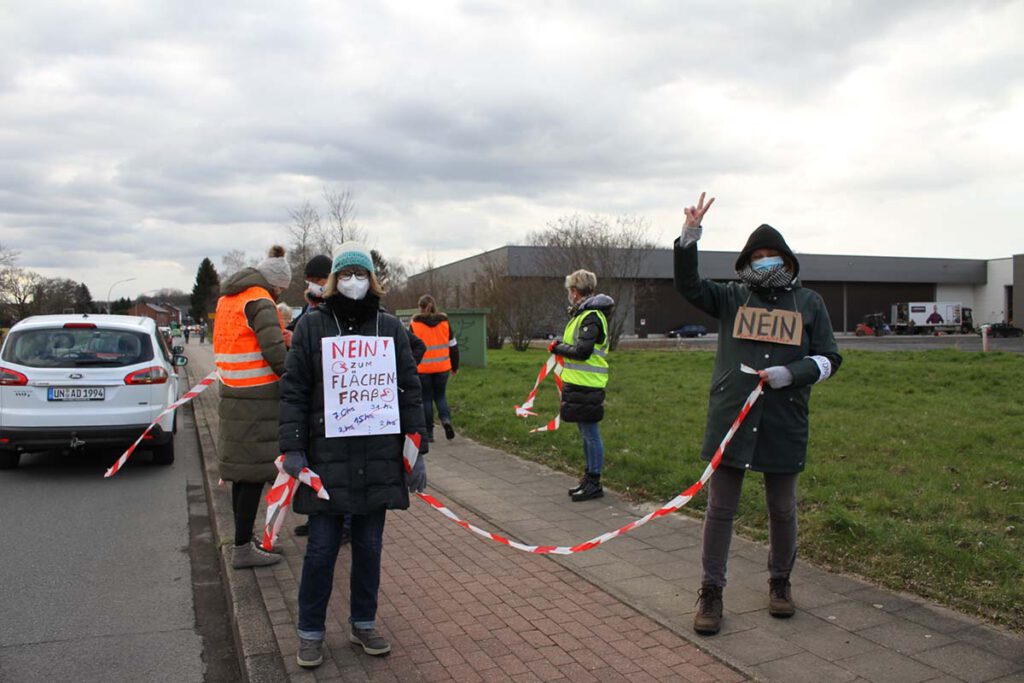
{"points": [[360, 386], [776, 326]]}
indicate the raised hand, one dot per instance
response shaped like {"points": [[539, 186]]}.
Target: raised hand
{"points": [[695, 214]]}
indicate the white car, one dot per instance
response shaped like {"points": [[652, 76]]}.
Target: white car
{"points": [[68, 381]]}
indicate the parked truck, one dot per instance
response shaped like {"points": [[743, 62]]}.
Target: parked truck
{"points": [[931, 317]]}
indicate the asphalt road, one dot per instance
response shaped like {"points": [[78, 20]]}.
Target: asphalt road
{"points": [[111, 579]]}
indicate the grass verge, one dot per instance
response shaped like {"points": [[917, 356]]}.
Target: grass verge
{"points": [[915, 476]]}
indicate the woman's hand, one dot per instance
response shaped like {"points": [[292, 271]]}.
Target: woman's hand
{"points": [[695, 214]]}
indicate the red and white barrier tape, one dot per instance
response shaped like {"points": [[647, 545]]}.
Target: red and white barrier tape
{"points": [[199, 388], [279, 499], [553, 366], [669, 507]]}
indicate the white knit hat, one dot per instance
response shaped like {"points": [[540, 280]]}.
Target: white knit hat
{"points": [[275, 268]]}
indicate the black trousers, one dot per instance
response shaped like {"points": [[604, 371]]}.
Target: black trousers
{"points": [[245, 501]]}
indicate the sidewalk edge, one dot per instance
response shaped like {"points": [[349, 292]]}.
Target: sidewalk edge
{"points": [[255, 642]]}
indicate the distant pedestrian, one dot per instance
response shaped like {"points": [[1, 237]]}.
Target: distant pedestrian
{"points": [[185, 333], [440, 358], [202, 334], [584, 346], [249, 349], [364, 475], [800, 352]]}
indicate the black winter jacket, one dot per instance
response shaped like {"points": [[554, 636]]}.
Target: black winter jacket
{"points": [[362, 474], [584, 404], [773, 437]]}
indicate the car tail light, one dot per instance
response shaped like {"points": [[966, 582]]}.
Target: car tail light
{"points": [[151, 375], [12, 378], [79, 326]]}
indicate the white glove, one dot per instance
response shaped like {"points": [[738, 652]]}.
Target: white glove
{"points": [[777, 376]]}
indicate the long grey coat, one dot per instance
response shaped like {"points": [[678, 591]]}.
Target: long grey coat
{"points": [[247, 443], [773, 437]]}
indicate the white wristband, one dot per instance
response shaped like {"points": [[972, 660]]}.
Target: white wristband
{"points": [[824, 367]]}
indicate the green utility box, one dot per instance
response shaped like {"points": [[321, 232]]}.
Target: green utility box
{"points": [[469, 325]]}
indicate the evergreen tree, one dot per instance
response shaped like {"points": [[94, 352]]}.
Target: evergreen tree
{"points": [[122, 306], [83, 299], [205, 291]]}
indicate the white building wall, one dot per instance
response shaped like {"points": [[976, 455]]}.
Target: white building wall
{"points": [[990, 298], [962, 294]]}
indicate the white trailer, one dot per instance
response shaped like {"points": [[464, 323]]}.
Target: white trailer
{"points": [[927, 317]]}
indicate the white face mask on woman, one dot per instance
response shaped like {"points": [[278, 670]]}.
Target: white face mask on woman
{"points": [[354, 286]]}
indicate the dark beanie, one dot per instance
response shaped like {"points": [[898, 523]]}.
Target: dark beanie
{"points": [[318, 266], [767, 237]]}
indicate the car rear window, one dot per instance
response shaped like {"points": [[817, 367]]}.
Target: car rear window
{"points": [[75, 348]]}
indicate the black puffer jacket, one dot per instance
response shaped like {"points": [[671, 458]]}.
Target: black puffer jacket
{"points": [[584, 404], [362, 473]]}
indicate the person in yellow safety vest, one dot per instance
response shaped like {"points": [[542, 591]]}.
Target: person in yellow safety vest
{"points": [[584, 347], [249, 349], [441, 357]]}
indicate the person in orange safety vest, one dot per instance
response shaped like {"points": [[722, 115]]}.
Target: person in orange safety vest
{"points": [[440, 359], [249, 347]]}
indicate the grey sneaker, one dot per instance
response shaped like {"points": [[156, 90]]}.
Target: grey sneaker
{"points": [[310, 654], [258, 542], [371, 641], [251, 555]]}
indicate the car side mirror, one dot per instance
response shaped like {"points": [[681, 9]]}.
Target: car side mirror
{"points": [[177, 349], [180, 361]]}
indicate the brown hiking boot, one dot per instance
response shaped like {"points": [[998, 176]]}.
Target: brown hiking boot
{"points": [[780, 598], [708, 619]]}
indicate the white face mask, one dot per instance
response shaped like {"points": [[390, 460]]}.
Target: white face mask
{"points": [[354, 286], [314, 290]]}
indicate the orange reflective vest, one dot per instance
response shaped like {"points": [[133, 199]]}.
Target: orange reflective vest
{"points": [[235, 347], [436, 359]]}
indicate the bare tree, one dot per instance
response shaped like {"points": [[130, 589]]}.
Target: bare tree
{"points": [[17, 290], [234, 261], [615, 249], [516, 304], [340, 225]]}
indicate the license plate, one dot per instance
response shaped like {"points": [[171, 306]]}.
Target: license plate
{"points": [[76, 394]]}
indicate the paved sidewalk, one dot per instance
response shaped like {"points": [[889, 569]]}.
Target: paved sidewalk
{"points": [[481, 611], [454, 607]]}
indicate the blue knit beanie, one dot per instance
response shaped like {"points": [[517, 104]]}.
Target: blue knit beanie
{"points": [[352, 254]]}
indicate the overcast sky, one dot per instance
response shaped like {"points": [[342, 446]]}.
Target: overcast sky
{"points": [[138, 137]]}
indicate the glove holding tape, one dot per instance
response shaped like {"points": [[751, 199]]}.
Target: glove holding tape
{"points": [[293, 463], [777, 376]]}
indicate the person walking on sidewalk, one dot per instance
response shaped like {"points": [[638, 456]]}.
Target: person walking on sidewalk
{"points": [[771, 323], [364, 475], [440, 359], [249, 349], [584, 346]]}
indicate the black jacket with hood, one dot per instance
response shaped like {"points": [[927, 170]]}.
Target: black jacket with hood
{"points": [[584, 404], [362, 473]]}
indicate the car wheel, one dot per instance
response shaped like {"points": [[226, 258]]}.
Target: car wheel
{"points": [[9, 460], [164, 455]]}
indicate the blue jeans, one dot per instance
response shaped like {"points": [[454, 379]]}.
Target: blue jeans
{"points": [[318, 571], [434, 384], [593, 447]]}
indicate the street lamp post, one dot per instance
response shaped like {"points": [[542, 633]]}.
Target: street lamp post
{"points": [[112, 289]]}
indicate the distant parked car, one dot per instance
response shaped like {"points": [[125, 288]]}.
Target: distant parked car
{"points": [[68, 381], [1004, 330], [688, 331]]}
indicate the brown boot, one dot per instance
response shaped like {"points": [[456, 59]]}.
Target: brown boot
{"points": [[780, 598], [708, 619]]}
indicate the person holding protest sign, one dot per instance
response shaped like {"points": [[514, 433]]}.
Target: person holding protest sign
{"points": [[584, 346], [349, 394], [771, 323], [440, 358], [249, 349]]}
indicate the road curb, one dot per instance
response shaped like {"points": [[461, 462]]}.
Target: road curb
{"points": [[255, 641]]}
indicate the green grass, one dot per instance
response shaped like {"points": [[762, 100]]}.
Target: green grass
{"points": [[915, 475]]}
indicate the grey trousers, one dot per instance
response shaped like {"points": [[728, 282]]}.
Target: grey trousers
{"points": [[723, 500]]}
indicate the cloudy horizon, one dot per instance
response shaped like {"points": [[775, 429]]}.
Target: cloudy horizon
{"points": [[138, 139]]}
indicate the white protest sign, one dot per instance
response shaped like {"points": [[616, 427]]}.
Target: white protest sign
{"points": [[360, 386]]}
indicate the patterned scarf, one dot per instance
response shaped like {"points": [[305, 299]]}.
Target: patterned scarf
{"points": [[766, 279]]}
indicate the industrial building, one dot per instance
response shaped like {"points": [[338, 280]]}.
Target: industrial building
{"points": [[852, 286]]}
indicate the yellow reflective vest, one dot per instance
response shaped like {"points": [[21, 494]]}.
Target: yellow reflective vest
{"points": [[592, 372]]}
